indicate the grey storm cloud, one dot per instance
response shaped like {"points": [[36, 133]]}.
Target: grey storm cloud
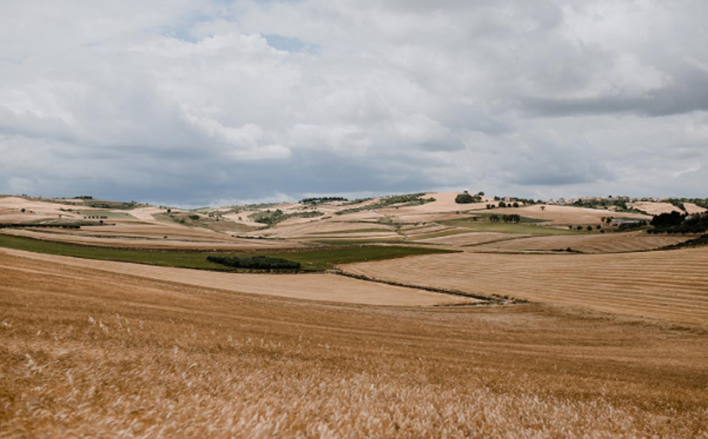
{"points": [[687, 93], [204, 101]]}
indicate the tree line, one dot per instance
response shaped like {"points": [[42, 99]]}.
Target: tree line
{"points": [[255, 262]]}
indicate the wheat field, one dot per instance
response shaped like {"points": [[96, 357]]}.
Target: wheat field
{"points": [[88, 353], [590, 243], [667, 285]]}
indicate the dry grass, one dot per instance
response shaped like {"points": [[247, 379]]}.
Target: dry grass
{"points": [[653, 208], [671, 286], [85, 353]]}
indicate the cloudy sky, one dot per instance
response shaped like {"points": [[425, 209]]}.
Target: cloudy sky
{"points": [[195, 102]]}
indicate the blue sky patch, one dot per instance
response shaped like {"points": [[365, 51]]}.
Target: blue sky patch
{"points": [[285, 43]]}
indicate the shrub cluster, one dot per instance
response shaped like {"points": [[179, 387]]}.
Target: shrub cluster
{"points": [[467, 198], [676, 222], [320, 200], [513, 218], [631, 226], [273, 217], [404, 200], [255, 262]]}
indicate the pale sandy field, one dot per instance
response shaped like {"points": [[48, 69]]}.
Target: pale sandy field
{"points": [[567, 214], [471, 239], [653, 208], [659, 208], [692, 208]]}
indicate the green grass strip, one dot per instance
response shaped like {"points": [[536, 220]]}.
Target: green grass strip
{"points": [[311, 260]]}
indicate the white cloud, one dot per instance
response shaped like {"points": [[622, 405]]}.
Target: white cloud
{"points": [[190, 101]]}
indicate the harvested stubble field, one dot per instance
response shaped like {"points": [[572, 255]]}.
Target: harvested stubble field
{"points": [[562, 215], [172, 242], [666, 285], [511, 228], [589, 243], [470, 239], [86, 353]]}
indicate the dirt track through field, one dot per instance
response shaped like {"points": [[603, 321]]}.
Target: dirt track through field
{"points": [[670, 286], [321, 287]]}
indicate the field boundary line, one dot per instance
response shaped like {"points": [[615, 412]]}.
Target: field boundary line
{"points": [[485, 300]]}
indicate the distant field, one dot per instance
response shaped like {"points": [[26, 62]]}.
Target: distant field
{"points": [[311, 260], [587, 243], [106, 213], [666, 285], [526, 229], [342, 232], [438, 234], [357, 241]]}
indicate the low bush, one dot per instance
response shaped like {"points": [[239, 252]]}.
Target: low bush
{"points": [[321, 200], [273, 217]]}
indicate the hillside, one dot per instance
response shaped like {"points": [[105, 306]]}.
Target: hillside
{"points": [[402, 316]]}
